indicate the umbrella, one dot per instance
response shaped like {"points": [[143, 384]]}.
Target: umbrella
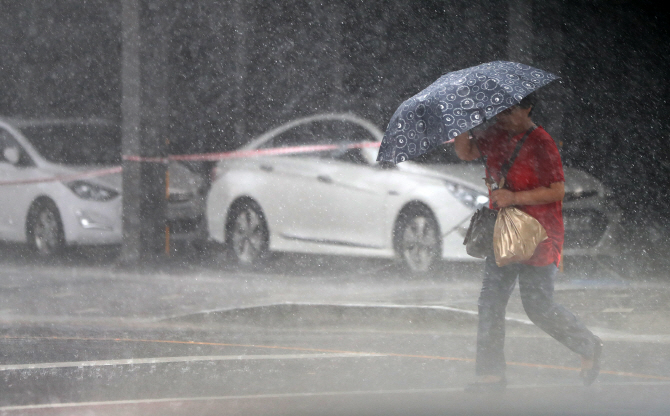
{"points": [[455, 103]]}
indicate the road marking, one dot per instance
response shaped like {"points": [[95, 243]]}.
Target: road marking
{"points": [[617, 310], [346, 305], [604, 333], [307, 395], [330, 351], [435, 307], [185, 359], [89, 310]]}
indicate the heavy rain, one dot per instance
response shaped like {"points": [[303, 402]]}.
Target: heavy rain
{"points": [[250, 207]]}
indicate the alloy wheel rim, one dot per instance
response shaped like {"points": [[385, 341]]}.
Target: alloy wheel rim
{"points": [[419, 244], [247, 236], [46, 232]]}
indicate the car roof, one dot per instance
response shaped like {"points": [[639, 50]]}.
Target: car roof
{"points": [[259, 140], [53, 121]]}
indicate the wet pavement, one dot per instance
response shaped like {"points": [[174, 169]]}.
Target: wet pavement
{"points": [[310, 336]]}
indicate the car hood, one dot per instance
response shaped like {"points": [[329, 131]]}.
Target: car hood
{"points": [[576, 181], [182, 180], [465, 174], [109, 180]]}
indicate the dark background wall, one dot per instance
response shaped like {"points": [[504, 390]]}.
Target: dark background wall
{"points": [[60, 58], [238, 68]]}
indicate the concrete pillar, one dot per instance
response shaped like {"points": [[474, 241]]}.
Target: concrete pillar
{"points": [[242, 32], [520, 31], [536, 39], [144, 105]]}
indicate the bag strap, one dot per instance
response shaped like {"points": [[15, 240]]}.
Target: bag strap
{"points": [[509, 162]]}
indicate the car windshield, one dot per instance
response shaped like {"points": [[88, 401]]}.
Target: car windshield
{"points": [[321, 132], [76, 144], [443, 155]]}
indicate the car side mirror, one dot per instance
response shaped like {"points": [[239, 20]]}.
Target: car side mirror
{"points": [[11, 155]]}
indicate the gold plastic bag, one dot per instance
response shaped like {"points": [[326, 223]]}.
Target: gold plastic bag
{"points": [[515, 236]]}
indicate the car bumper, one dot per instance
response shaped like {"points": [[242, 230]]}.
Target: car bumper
{"points": [[186, 220], [93, 223], [452, 244], [188, 229], [602, 237], [606, 243], [100, 223]]}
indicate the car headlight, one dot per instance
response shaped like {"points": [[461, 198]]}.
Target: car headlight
{"points": [[87, 190], [469, 197]]}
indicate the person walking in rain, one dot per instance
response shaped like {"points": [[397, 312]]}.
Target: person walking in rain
{"points": [[535, 184]]}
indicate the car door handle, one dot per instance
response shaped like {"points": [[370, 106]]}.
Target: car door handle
{"points": [[267, 168], [324, 179]]}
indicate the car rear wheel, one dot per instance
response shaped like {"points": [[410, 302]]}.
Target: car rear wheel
{"points": [[45, 229], [247, 234], [417, 240]]}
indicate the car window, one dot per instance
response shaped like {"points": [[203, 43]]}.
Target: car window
{"points": [[443, 155], [324, 132], [76, 144], [7, 141], [349, 132], [297, 136], [321, 132], [353, 156]]}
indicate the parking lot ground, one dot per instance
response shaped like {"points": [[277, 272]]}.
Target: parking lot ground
{"points": [[322, 337], [344, 366]]}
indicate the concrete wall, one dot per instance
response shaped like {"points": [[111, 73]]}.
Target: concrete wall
{"points": [[240, 67]]}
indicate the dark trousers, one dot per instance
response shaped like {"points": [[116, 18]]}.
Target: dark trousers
{"points": [[536, 285]]}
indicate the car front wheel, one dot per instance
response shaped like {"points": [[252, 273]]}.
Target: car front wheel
{"points": [[45, 229], [417, 240], [247, 234]]}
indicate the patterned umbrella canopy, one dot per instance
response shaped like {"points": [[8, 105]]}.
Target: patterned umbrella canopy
{"points": [[455, 103]]}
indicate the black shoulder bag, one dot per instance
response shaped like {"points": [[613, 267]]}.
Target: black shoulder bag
{"points": [[479, 237]]}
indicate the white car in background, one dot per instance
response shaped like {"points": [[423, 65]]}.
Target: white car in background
{"points": [[64, 210], [340, 201]]}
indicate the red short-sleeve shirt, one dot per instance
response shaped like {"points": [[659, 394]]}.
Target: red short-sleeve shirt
{"points": [[537, 164]]}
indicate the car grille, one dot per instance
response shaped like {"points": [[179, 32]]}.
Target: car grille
{"points": [[184, 226], [574, 196], [583, 227]]}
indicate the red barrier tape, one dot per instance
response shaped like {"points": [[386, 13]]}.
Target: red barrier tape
{"points": [[65, 178], [195, 157], [145, 159], [211, 157]]}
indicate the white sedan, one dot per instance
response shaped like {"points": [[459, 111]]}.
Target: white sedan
{"points": [[336, 199], [44, 201]]}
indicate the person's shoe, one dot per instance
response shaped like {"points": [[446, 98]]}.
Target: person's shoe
{"points": [[589, 375], [483, 387]]}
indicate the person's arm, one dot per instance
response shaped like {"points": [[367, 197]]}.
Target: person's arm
{"points": [[465, 148], [542, 195]]}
